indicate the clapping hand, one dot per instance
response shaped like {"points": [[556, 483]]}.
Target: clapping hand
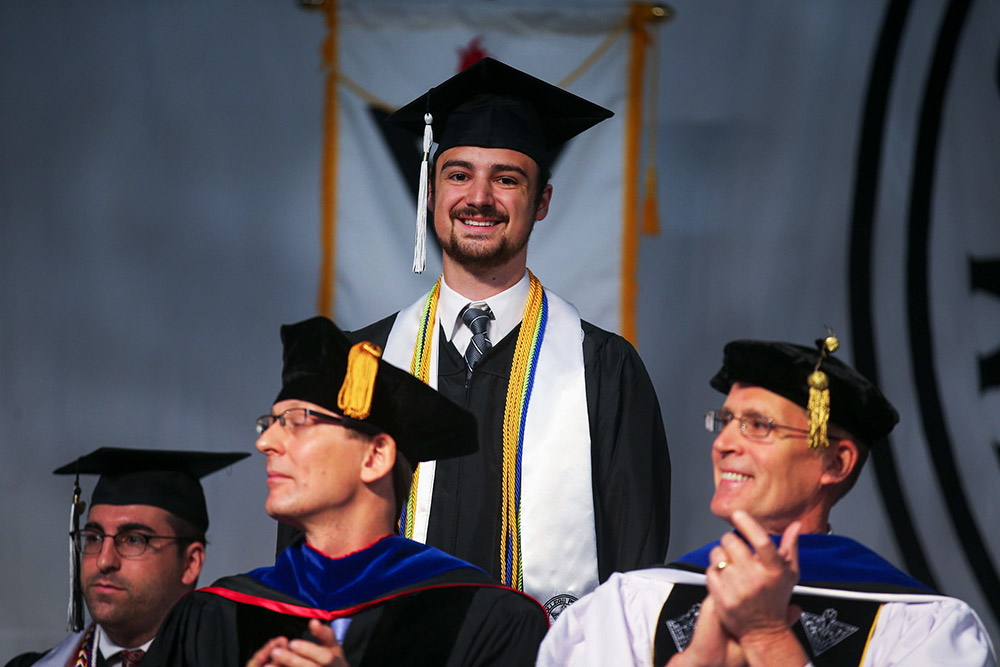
{"points": [[325, 651], [751, 587]]}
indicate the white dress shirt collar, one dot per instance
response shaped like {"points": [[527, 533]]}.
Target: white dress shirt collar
{"points": [[507, 308], [110, 649]]}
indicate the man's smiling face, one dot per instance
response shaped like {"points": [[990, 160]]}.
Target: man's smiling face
{"points": [[776, 480], [485, 203]]}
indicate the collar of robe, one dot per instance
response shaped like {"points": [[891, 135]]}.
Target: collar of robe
{"points": [[831, 561], [389, 565]]}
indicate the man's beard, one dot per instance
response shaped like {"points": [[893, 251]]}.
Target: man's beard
{"points": [[108, 614], [473, 254]]}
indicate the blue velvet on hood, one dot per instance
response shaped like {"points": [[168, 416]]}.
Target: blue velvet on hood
{"points": [[831, 559], [391, 564]]}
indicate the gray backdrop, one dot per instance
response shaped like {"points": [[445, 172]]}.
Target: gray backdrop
{"points": [[159, 172]]}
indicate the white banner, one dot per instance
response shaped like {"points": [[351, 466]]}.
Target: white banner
{"points": [[399, 53]]}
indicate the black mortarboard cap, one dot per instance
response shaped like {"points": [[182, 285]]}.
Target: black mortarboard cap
{"points": [[493, 105], [424, 424], [856, 404], [167, 479]]}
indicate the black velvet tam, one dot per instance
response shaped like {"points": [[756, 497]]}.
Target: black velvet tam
{"points": [[424, 424], [784, 368], [167, 479], [493, 105]]}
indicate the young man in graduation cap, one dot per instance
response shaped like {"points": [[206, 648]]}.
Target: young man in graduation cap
{"points": [[572, 479], [793, 434], [140, 551], [339, 443]]}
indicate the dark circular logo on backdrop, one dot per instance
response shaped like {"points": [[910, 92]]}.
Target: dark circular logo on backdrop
{"points": [[950, 266]]}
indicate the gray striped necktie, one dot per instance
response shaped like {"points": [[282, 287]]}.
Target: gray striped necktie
{"points": [[477, 317]]}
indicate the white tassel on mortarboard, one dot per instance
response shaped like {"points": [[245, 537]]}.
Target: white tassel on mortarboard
{"points": [[420, 244]]}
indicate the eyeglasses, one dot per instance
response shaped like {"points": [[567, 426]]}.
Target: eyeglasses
{"points": [[753, 426], [295, 418], [128, 543]]}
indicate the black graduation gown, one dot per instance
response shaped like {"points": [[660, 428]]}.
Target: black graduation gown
{"points": [[630, 461], [24, 660], [457, 618]]}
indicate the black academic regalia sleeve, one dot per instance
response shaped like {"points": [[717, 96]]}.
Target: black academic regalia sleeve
{"points": [[377, 332], [501, 628], [200, 631], [24, 660], [631, 464]]}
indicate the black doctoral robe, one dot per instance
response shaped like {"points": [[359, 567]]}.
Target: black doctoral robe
{"points": [[24, 660], [455, 616], [629, 458]]}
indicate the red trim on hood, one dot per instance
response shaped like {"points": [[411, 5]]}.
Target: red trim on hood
{"points": [[310, 612]]}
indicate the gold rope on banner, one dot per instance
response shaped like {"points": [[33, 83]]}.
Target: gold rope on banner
{"points": [[641, 14], [328, 186], [363, 94], [651, 204], [594, 56]]}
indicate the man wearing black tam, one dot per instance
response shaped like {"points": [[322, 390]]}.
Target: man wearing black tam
{"points": [[572, 479], [339, 440], [792, 436], [140, 551]]}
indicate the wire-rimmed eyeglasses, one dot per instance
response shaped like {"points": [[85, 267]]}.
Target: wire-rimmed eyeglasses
{"points": [[294, 418], [128, 543], [753, 426]]}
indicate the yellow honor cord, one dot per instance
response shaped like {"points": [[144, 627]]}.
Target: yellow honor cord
{"points": [[420, 368], [420, 364], [523, 351], [355, 397], [510, 521]]}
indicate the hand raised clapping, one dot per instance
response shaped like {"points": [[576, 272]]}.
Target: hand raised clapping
{"points": [[280, 651]]}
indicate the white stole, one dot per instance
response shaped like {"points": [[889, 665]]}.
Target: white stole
{"points": [[64, 653], [558, 541]]}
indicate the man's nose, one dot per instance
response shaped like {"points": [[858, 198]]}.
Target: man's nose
{"points": [[729, 439], [272, 440], [480, 193], [108, 558]]}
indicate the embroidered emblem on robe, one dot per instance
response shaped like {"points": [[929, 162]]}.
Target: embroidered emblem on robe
{"points": [[825, 631], [682, 628]]}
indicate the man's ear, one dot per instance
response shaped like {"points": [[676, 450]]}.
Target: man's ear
{"points": [[543, 203], [430, 194], [840, 460], [380, 456], [194, 559]]}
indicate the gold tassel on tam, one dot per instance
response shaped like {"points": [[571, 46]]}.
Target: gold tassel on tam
{"points": [[355, 397], [819, 396], [819, 409]]}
